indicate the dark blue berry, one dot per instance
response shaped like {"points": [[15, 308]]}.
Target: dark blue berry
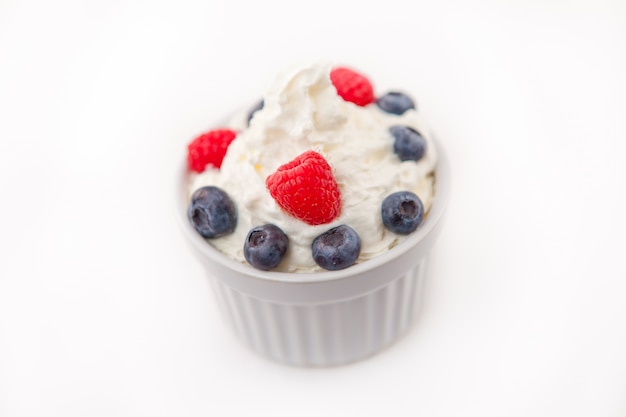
{"points": [[395, 102], [212, 212], [265, 247], [338, 248], [402, 212], [255, 109], [408, 144]]}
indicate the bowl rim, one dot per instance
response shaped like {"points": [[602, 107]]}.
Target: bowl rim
{"points": [[208, 251]]}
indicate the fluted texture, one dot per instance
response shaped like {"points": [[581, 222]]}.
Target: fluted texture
{"points": [[324, 334]]}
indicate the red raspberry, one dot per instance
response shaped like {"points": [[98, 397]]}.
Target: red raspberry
{"points": [[209, 149], [306, 189], [352, 86]]}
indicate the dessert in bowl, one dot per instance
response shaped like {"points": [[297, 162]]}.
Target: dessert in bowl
{"points": [[313, 212]]}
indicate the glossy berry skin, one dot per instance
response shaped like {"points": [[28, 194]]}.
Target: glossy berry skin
{"points": [[209, 149], [338, 248], [395, 102], [212, 213], [255, 109], [402, 212], [306, 189], [408, 144], [352, 86], [265, 246]]}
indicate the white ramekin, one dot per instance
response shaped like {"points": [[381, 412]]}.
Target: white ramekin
{"points": [[326, 318]]}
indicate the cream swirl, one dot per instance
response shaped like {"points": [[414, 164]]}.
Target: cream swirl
{"points": [[302, 111]]}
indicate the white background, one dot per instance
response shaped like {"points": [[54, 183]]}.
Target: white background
{"points": [[104, 312]]}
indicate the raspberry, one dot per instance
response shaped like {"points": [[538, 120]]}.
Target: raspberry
{"points": [[306, 189], [352, 86], [209, 149]]}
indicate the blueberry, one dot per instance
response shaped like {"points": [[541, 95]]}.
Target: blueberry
{"points": [[402, 212], [212, 212], [265, 246], [408, 144], [255, 109], [338, 248], [395, 103]]}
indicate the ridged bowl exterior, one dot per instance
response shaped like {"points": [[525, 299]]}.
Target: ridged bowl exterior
{"points": [[327, 334]]}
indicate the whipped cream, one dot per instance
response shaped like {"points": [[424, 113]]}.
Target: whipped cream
{"points": [[302, 111]]}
